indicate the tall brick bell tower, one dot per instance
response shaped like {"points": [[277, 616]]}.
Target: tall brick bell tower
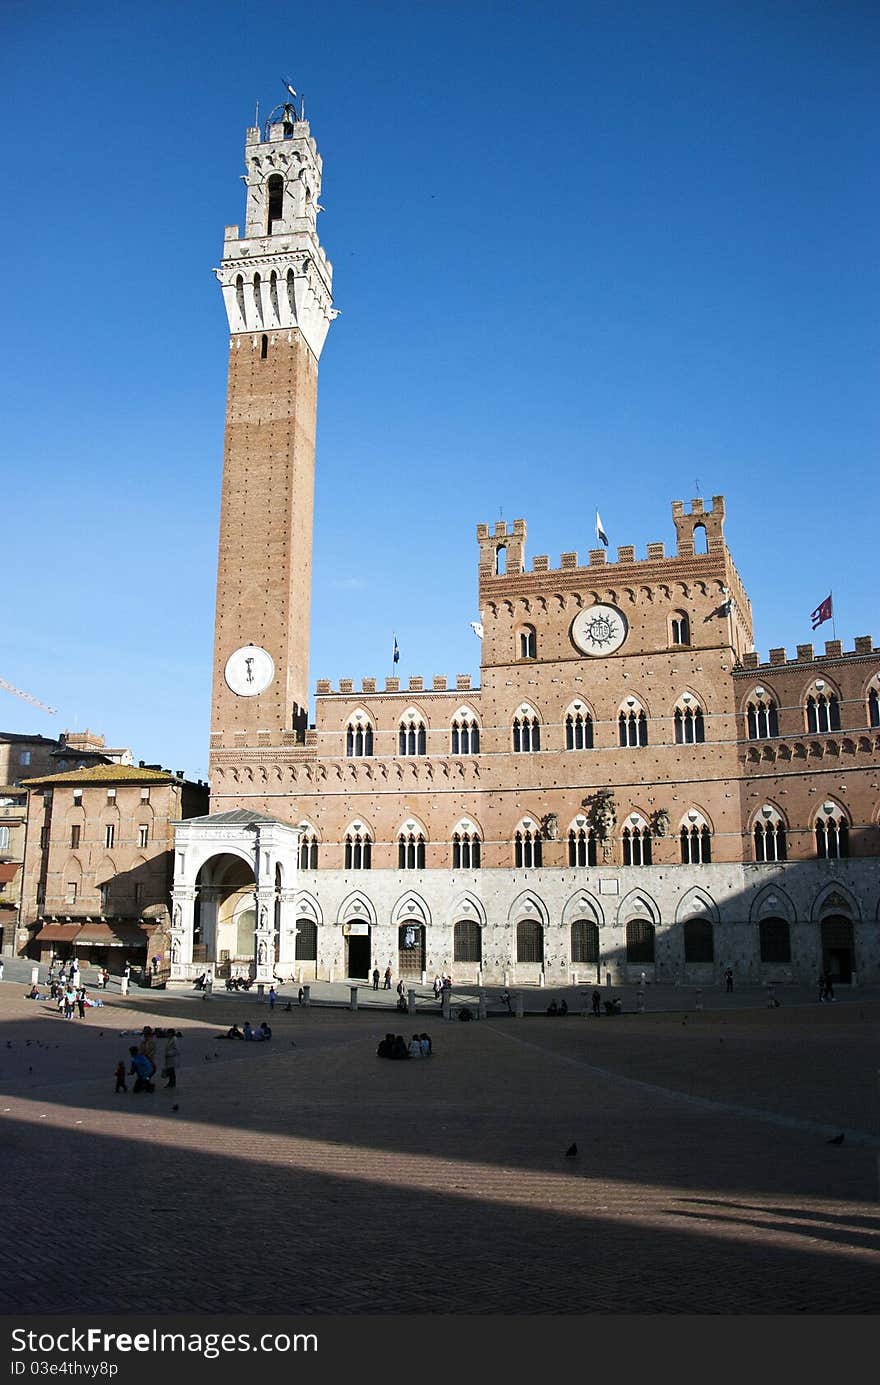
{"points": [[276, 284]]}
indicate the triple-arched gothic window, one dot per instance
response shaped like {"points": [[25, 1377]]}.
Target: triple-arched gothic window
{"points": [[688, 719], [581, 843], [695, 837], [578, 727], [527, 844], [526, 730], [822, 708], [762, 717], [465, 733], [359, 735], [465, 846], [636, 837], [411, 736], [358, 848], [632, 723], [832, 832], [769, 835], [410, 847]]}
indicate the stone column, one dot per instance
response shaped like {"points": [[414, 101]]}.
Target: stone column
{"points": [[209, 899], [264, 938], [182, 913]]}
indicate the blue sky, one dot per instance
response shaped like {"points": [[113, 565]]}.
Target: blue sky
{"points": [[587, 255]]}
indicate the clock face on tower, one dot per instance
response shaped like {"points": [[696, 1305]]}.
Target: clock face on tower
{"points": [[599, 630], [249, 671]]}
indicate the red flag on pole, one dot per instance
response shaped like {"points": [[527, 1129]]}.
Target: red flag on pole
{"points": [[822, 613]]}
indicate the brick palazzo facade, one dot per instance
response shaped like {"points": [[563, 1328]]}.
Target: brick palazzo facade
{"points": [[628, 790]]}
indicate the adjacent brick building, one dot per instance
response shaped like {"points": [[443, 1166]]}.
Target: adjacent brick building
{"points": [[99, 862], [629, 789]]}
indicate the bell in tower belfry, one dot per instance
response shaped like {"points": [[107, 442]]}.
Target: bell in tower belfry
{"points": [[276, 283]]}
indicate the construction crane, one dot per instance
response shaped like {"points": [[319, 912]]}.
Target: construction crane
{"points": [[34, 701]]}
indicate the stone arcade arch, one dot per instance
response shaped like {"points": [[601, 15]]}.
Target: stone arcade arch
{"points": [[528, 920], [582, 918], [837, 912], [234, 891], [358, 917], [411, 917]]}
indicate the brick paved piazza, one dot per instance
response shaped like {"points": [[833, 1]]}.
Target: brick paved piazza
{"points": [[306, 1176]]}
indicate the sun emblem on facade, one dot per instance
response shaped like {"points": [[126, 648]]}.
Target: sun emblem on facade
{"points": [[599, 630]]}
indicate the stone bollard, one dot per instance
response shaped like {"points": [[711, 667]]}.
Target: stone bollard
{"points": [[35, 976], [353, 1002], [699, 1000], [541, 979], [506, 979], [518, 1005], [444, 1004], [260, 992], [481, 1005], [608, 978], [410, 1002], [123, 985], [307, 995], [640, 1001]]}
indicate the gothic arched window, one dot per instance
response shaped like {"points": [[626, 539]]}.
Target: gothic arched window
{"points": [[775, 941], [410, 849], [465, 847], [308, 850], [467, 942], [584, 942], [306, 940], [679, 628], [632, 724], [581, 844], [769, 835], [359, 736], [823, 710], [688, 719], [526, 730], [636, 841], [695, 836], [698, 941], [465, 733], [762, 718], [529, 941], [528, 642], [578, 727], [527, 845], [358, 848], [411, 736], [639, 942], [832, 833]]}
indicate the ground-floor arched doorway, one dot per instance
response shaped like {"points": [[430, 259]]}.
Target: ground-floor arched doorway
{"points": [[838, 952], [357, 950], [224, 920], [411, 950]]}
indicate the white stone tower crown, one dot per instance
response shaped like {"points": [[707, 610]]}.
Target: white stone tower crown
{"points": [[277, 276]]}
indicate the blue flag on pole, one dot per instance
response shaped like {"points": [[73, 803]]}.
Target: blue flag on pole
{"points": [[395, 657]]}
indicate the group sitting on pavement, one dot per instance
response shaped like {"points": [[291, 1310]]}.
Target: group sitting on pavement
{"points": [[261, 1034], [395, 1046]]}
